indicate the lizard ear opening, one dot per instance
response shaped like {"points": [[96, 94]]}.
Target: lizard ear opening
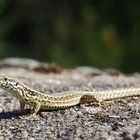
{"points": [[16, 83]]}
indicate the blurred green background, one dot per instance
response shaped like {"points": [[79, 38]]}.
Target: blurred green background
{"points": [[72, 32]]}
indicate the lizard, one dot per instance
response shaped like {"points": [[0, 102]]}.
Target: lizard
{"points": [[38, 100]]}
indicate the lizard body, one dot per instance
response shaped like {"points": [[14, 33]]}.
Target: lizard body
{"points": [[38, 100]]}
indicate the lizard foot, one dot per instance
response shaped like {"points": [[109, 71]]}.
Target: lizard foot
{"points": [[29, 117]]}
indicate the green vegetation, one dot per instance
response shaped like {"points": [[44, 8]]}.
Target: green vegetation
{"points": [[71, 33]]}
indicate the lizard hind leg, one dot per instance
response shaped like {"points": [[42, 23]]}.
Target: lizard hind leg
{"points": [[88, 99]]}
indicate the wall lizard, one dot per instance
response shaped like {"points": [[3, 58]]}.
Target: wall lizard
{"points": [[37, 100]]}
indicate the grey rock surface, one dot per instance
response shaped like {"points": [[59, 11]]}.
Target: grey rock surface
{"points": [[119, 119]]}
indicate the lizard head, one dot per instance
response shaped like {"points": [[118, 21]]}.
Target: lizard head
{"points": [[11, 85]]}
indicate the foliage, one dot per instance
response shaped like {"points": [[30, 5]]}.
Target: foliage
{"points": [[83, 32]]}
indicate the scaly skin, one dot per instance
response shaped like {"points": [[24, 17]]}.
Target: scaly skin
{"points": [[37, 100]]}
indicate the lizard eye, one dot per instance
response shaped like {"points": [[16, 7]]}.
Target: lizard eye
{"points": [[5, 79]]}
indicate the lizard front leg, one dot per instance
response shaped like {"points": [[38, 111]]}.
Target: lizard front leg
{"points": [[22, 105], [35, 109]]}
